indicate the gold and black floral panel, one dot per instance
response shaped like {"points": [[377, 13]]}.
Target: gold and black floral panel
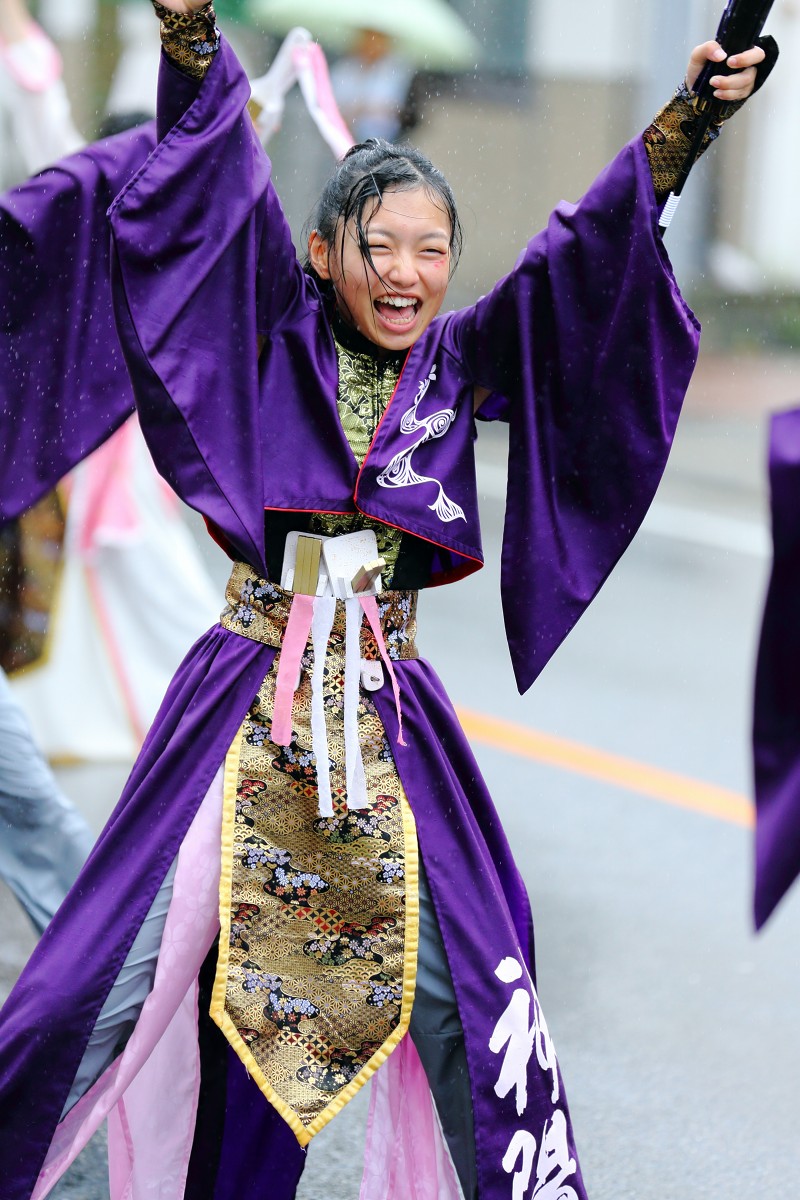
{"points": [[190, 39], [319, 914]]}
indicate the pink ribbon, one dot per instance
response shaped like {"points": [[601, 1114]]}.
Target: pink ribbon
{"points": [[370, 606], [298, 627], [315, 84], [293, 645]]}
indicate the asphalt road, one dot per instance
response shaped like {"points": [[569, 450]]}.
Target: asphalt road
{"points": [[676, 1027]]}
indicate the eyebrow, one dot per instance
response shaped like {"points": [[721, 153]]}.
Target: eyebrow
{"points": [[380, 231]]}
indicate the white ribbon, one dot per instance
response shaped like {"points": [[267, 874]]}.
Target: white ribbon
{"points": [[355, 671], [321, 625], [354, 763]]}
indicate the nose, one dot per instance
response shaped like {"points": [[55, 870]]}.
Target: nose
{"points": [[403, 273]]}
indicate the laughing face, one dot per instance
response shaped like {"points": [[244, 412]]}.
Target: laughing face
{"points": [[393, 301]]}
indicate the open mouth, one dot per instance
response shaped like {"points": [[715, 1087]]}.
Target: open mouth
{"points": [[399, 311]]}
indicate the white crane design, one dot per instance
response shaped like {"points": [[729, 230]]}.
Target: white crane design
{"points": [[400, 473]]}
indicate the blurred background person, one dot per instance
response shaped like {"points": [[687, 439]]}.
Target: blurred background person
{"points": [[372, 85], [387, 57], [44, 840], [36, 125]]}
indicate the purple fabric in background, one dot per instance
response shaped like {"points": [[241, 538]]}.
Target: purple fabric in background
{"points": [[63, 383], [776, 721]]}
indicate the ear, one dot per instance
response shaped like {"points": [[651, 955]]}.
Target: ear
{"points": [[318, 253]]}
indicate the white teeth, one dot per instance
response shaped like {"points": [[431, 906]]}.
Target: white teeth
{"points": [[397, 301]]}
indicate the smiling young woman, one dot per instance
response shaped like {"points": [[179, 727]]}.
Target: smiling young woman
{"points": [[306, 880], [392, 295]]}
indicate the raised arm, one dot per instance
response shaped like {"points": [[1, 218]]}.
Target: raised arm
{"points": [[668, 138], [586, 348], [204, 263], [190, 40], [497, 332]]}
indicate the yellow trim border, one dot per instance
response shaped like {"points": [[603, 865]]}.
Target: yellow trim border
{"points": [[304, 1133]]}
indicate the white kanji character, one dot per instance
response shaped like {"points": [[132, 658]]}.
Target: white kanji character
{"points": [[519, 1034], [524, 1144], [514, 1033], [553, 1165]]}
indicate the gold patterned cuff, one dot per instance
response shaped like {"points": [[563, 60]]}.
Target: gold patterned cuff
{"points": [[190, 39], [669, 138]]}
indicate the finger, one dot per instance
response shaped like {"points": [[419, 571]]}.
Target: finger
{"points": [[734, 87], [732, 97], [708, 52], [748, 58], [184, 7]]}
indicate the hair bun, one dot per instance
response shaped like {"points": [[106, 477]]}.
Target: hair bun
{"points": [[372, 143]]}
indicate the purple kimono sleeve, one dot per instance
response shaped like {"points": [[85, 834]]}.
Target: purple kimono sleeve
{"points": [[587, 348], [776, 723], [203, 263], [63, 383]]}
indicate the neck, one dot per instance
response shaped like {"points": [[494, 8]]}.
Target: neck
{"points": [[355, 341]]}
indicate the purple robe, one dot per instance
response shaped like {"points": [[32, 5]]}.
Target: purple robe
{"points": [[776, 723], [587, 349], [63, 383]]}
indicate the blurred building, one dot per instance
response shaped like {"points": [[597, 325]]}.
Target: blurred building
{"points": [[111, 51], [564, 85], [561, 87], [761, 215]]}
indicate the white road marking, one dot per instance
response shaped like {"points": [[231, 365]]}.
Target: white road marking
{"points": [[702, 528], [675, 522]]}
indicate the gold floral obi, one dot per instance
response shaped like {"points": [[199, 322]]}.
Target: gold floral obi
{"points": [[259, 610]]}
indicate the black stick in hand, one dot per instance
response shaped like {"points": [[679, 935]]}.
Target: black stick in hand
{"points": [[739, 28]]}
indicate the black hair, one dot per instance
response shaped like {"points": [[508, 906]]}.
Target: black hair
{"points": [[366, 173]]}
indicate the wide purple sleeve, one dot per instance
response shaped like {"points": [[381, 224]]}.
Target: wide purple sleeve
{"points": [[63, 383], [587, 349], [203, 264], [776, 718]]}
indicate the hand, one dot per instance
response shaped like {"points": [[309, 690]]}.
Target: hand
{"points": [[16, 21], [726, 87], [185, 7]]}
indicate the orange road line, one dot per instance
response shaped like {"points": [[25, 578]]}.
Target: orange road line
{"points": [[665, 786]]}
